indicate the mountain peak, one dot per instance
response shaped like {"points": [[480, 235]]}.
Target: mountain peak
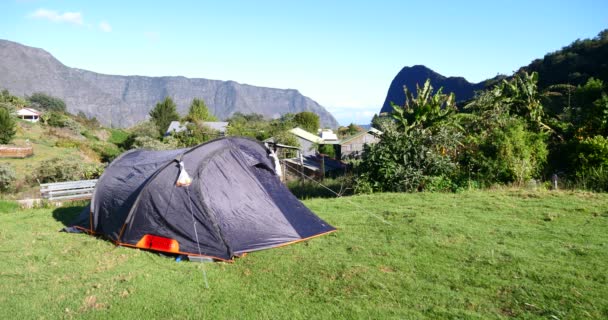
{"points": [[417, 75]]}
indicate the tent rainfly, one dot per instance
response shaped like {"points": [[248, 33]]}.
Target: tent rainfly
{"points": [[220, 199]]}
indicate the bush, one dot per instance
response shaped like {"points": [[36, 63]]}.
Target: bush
{"points": [[404, 161], [594, 179], [67, 143], [7, 178], [58, 170], [7, 126], [106, 151], [148, 143], [592, 153], [505, 154], [118, 136], [328, 150], [46, 102], [195, 134], [60, 120]]}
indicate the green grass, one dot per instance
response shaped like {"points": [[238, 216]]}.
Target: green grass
{"points": [[473, 255], [118, 136]]}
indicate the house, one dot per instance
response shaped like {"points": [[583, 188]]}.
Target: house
{"points": [[353, 146], [307, 141], [176, 126], [29, 114]]}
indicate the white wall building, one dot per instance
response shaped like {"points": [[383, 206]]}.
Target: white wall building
{"points": [[29, 114]]}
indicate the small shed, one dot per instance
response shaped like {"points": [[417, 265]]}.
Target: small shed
{"points": [[307, 141], [29, 114]]}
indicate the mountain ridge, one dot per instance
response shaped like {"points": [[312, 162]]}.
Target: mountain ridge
{"points": [[417, 75], [124, 100]]}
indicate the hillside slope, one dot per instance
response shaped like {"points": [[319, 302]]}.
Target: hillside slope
{"points": [[122, 101]]}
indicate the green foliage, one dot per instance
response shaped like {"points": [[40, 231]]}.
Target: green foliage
{"points": [[381, 121], [8, 176], [144, 131], [106, 151], [506, 138], [349, 130], [67, 143], [308, 121], [83, 119], [65, 169], [425, 110], [146, 142], [195, 134], [508, 153], [60, 120], [575, 63], [162, 115], [404, 161], [46, 102], [593, 153], [11, 102], [199, 112], [255, 126], [593, 178], [328, 150], [418, 148], [7, 126], [119, 136], [517, 97]]}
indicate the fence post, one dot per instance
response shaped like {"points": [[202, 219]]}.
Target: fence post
{"points": [[554, 181]]}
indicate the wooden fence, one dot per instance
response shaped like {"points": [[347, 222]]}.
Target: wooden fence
{"points": [[16, 152]]}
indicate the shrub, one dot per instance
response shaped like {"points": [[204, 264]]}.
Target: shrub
{"points": [[592, 153], [58, 170], [7, 126], [328, 150], [46, 102], [118, 136], [60, 120], [7, 177], [595, 179], [506, 153], [146, 142], [195, 133], [67, 143], [404, 161], [106, 151]]}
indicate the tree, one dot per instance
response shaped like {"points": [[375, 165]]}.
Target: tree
{"points": [[44, 101], [308, 121], [424, 110], [163, 114], [7, 126], [199, 112], [196, 133]]}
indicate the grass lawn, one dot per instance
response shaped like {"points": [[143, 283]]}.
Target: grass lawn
{"points": [[495, 254]]}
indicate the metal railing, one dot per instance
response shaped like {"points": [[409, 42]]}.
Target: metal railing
{"points": [[69, 190]]}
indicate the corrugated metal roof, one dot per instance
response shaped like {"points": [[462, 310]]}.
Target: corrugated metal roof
{"points": [[306, 135], [179, 126], [28, 112], [372, 131]]}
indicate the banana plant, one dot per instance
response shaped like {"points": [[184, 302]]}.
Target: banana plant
{"points": [[425, 109]]}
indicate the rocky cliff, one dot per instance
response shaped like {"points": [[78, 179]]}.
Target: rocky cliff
{"points": [[122, 101], [410, 76]]}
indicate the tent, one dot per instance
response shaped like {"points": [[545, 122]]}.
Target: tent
{"points": [[220, 199]]}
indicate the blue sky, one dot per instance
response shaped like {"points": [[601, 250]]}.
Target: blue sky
{"points": [[343, 54]]}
